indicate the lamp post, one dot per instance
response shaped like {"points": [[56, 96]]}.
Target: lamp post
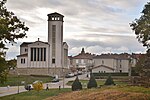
{"points": [[18, 82]]}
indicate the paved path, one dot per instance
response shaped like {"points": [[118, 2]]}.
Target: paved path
{"points": [[14, 89]]}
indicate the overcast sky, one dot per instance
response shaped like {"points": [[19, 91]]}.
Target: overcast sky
{"points": [[100, 26]]}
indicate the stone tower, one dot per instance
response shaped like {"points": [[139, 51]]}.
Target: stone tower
{"points": [[55, 39]]}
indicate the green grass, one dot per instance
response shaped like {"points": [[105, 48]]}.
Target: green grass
{"points": [[14, 80], [99, 82], [34, 95]]}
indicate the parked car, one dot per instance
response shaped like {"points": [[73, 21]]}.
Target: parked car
{"points": [[28, 87], [55, 80], [69, 75], [79, 72]]}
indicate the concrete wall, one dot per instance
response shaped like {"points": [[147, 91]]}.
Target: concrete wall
{"points": [[101, 69], [107, 62], [43, 71], [58, 42]]}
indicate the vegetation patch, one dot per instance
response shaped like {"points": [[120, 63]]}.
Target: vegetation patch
{"points": [[14, 80], [106, 93], [35, 95]]}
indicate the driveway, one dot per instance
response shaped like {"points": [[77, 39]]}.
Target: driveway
{"points": [[62, 83]]}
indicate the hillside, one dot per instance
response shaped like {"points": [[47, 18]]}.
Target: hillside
{"points": [[106, 93]]}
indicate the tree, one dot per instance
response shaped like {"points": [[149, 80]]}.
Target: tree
{"points": [[141, 26], [3, 70], [11, 29], [140, 64], [109, 81], [38, 85], [76, 85], [92, 82], [12, 63]]}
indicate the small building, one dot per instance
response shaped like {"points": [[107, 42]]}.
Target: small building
{"points": [[83, 60], [111, 63]]}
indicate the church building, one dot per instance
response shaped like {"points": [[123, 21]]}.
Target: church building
{"points": [[45, 58]]}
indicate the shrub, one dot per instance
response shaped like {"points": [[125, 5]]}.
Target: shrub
{"points": [[76, 85], [38, 85], [92, 82], [109, 81]]}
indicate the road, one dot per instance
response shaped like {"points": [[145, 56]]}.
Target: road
{"points": [[14, 89]]}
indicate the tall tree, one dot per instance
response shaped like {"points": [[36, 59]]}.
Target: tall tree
{"points": [[11, 29], [141, 26]]}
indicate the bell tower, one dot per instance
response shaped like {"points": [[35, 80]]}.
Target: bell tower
{"points": [[55, 39]]}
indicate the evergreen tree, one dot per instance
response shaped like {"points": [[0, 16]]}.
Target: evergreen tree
{"points": [[92, 82], [76, 85], [109, 81]]}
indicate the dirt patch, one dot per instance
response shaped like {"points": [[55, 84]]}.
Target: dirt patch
{"points": [[101, 95]]}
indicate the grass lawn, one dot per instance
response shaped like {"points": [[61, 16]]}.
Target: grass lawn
{"points": [[14, 80], [34, 95], [99, 82], [107, 93]]}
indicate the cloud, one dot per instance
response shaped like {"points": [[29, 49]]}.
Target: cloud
{"points": [[98, 25], [105, 44]]}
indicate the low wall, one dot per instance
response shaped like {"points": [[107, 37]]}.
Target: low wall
{"points": [[43, 71]]}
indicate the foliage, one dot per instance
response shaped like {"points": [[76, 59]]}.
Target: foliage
{"points": [[3, 70], [109, 81], [11, 28], [38, 86], [12, 80], [76, 85], [140, 64], [12, 63], [92, 82], [141, 26], [33, 95]]}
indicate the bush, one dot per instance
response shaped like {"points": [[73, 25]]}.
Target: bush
{"points": [[109, 81], [76, 85], [38, 85], [92, 82]]}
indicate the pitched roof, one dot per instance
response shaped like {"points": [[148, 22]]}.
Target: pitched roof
{"points": [[55, 13], [25, 44], [103, 66], [112, 56], [23, 55]]}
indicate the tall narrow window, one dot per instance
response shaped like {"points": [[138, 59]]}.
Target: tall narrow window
{"points": [[53, 40], [31, 54], [44, 54], [34, 54], [41, 54], [38, 54], [53, 61]]}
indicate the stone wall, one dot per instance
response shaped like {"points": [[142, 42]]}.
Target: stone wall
{"points": [[42, 71]]}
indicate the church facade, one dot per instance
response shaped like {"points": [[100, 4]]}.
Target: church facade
{"points": [[45, 58]]}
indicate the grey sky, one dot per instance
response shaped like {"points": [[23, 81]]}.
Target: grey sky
{"points": [[101, 26]]}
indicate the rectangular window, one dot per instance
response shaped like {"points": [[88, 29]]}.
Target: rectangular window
{"points": [[34, 54], [24, 61], [31, 54], [44, 54], [120, 71], [21, 61], [38, 54], [53, 40], [41, 54], [77, 61], [53, 61]]}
